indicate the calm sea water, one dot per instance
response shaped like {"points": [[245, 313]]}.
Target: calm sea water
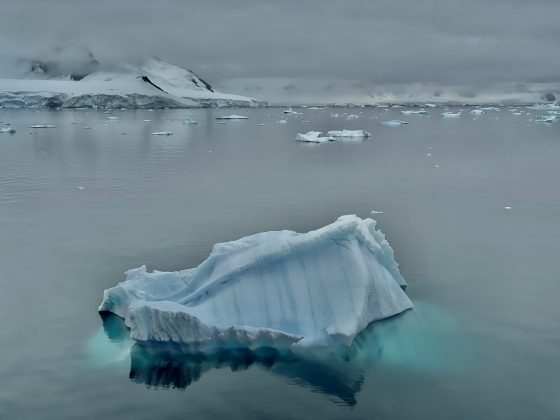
{"points": [[80, 206]]}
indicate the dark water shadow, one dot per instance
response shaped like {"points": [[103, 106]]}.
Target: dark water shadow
{"points": [[425, 339], [160, 367]]}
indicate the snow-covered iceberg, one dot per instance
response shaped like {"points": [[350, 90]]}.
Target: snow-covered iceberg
{"points": [[314, 137], [414, 112], [232, 117], [283, 290], [393, 123]]}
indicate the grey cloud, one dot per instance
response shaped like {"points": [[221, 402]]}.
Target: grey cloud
{"points": [[384, 41]]}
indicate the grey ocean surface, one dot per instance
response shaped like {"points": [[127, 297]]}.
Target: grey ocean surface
{"points": [[80, 206]]}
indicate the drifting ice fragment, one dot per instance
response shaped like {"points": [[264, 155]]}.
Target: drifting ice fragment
{"points": [[393, 123], [349, 133], [189, 121], [42, 126], [449, 114], [232, 117], [7, 130], [283, 289], [162, 133], [314, 137], [352, 117], [282, 122], [415, 112], [478, 111], [547, 118]]}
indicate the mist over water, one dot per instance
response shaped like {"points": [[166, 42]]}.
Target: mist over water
{"points": [[80, 206]]}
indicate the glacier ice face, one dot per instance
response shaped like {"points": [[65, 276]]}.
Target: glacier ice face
{"points": [[282, 289]]}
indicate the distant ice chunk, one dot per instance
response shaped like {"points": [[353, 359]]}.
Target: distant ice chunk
{"points": [[546, 107], [349, 133], [478, 111], [428, 105], [352, 117], [282, 122], [450, 114], [190, 121], [232, 117], [282, 289], [42, 126], [547, 118], [162, 133], [314, 137], [291, 112], [7, 130], [414, 112], [393, 123]]}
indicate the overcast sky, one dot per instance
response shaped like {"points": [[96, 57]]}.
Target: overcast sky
{"points": [[379, 41]]}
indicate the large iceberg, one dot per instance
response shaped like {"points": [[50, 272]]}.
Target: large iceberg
{"points": [[282, 290]]}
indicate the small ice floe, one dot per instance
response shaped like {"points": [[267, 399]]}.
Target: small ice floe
{"points": [[375, 212], [314, 137], [232, 117], [291, 111], [393, 123], [490, 108], [112, 118], [261, 125], [305, 122], [449, 114], [430, 105], [162, 133], [436, 166], [478, 111], [349, 133], [547, 118], [315, 107], [334, 115], [507, 207], [147, 120], [190, 121], [120, 133], [7, 129], [414, 112], [352, 117], [281, 122], [546, 107], [517, 113], [42, 126], [81, 188], [87, 128], [428, 154]]}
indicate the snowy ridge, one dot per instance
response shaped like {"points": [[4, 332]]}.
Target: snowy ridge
{"points": [[156, 84], [274, 289]]}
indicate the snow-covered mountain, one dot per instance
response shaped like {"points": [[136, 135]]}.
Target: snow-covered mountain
{"points": [[155, 84]]}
